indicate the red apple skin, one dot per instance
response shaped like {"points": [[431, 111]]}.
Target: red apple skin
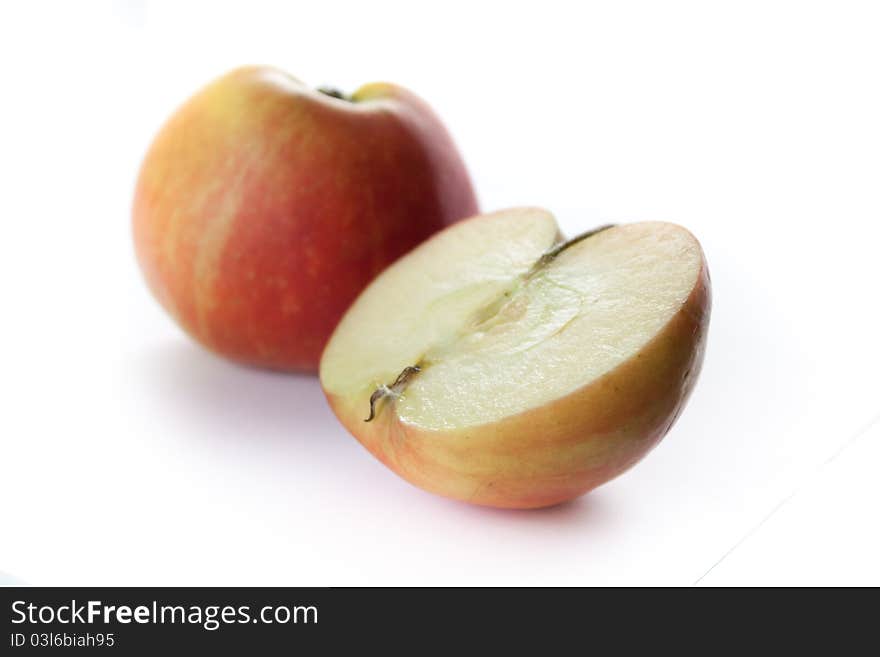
{"points": [[263, 208], [557, 452]]}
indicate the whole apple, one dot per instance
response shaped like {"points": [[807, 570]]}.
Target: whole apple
{"points": [[264, 207]]}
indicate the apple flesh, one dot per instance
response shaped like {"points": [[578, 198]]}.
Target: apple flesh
{"points": [[500, 365], [264, 207]]}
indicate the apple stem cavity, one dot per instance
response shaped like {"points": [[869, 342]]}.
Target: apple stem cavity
{"points": [[333, 92], [393, 390]]}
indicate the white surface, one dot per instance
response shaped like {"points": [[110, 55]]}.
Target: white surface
{"points": [[824, 534], [129, 456]]}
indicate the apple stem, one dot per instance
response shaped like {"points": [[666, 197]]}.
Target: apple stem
{"points": [[333, 92], [393, 390], [551, 255]]}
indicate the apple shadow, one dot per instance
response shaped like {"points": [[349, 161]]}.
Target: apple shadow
{"points": [[230, 402], [588, 509], [285, 416]]}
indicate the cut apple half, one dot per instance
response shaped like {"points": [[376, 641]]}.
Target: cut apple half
{"points": [[502, 365]]}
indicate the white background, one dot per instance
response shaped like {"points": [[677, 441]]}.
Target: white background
{"points": [[130, 456]]}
